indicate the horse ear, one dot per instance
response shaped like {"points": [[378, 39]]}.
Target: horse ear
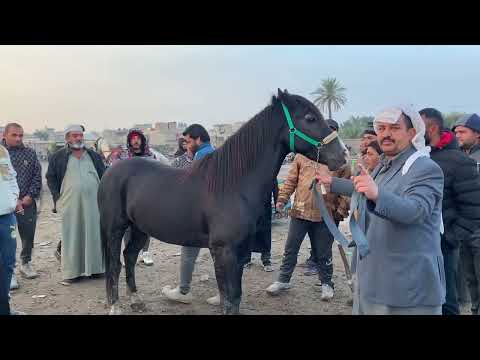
{"points": [[280, 94]]}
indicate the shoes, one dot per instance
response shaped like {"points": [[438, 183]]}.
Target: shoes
{"points": [[307, 264], [327, 292], [97, 276], [16, 312], [176, 295], [214, 300], [28, 271], [14, 283], [277, 287], [268, 268], [146, 258], [311, 270], [69, 281], [247, 265]]}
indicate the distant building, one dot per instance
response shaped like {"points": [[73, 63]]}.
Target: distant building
{"points": [[221, 132], [143, 127], [165, 135], [115, 137], [51, 133]]}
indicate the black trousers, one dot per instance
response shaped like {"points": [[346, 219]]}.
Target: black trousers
{"points": [[451, 259], [27, 224], [313, 251], [470, 254], [261, 240], [323, 240]]}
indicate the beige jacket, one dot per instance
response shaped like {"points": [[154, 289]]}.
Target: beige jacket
{"points": [[299, 179]]}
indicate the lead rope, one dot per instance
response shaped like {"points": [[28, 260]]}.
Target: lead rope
{"points": [[324, 192], [357, 234]]}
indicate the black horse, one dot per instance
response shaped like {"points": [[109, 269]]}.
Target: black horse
{"points": [[216, 202]]}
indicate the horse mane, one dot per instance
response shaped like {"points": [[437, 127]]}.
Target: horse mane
{"points": [[223, 169]]}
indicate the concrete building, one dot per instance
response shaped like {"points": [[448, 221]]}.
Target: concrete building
{"points": [[143, 127], [165, 135], [221, 132], [115, 137]]}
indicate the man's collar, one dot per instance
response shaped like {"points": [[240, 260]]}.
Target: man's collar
{"points": [[203, 145], [4, 142], [474, 148]]}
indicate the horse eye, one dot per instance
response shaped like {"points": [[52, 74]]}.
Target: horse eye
{"points": [[309, 117]]}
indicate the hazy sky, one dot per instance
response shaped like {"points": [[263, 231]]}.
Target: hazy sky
{"points": [[117, 86]]}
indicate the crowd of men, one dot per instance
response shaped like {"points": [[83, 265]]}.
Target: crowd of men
{"points": [[414, 193]]}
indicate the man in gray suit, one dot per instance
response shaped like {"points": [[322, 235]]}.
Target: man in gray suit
{"points": [[399, 208]]}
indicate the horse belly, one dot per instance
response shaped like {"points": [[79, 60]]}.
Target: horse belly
{"points": [[170, 227], [167, 211]]}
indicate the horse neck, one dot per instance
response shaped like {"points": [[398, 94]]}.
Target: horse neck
{"points": [[267, 166], [249, 158]]}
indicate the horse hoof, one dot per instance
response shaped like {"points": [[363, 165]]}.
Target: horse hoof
{"points": [[115, 310]]}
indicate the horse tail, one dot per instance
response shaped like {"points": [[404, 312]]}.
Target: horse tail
{"points": [[111, 204]]}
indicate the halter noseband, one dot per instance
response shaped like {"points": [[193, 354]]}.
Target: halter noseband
{"points": [[295, 132]]}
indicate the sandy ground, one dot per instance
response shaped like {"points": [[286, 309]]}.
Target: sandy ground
{"points": [[45, 295]]}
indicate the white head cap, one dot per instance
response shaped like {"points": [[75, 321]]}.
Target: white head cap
{"points": [[73, 127], [392, 115]]}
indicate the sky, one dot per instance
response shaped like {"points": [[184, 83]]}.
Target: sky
{"points": [[118, 86]]}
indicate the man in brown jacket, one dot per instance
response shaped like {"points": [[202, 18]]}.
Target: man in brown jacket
{"points": [[306, 218]]}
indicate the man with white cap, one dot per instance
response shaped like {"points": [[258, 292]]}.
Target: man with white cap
{"points": [[400, 213], [73, 176]]}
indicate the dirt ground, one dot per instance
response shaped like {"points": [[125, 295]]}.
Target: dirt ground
{"points": [[88, 296]]}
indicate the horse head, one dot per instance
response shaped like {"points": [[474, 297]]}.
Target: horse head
{"points": [[307, 132]]}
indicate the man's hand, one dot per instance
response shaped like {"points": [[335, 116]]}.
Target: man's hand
{"points": [[365, 184], [19, 208], [280, 206], [324, 177], [27, 201]]}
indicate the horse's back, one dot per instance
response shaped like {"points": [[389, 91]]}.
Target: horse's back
{"points": [[126, 175]]}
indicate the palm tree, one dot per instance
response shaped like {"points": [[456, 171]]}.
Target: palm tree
{"points": [[330, 95]]}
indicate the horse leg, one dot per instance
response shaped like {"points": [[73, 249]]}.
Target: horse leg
{"points": [[135, 241], [113, 266], [229, 278]]}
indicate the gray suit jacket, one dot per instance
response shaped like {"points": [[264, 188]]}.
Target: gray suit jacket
{"points": [[405, 267]]}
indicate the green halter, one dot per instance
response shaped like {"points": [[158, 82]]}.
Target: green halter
{"points": [[295, 132]]}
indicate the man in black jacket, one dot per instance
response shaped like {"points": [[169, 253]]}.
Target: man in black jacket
{"points": [[461, 199], [57, 167], [467, 131]]}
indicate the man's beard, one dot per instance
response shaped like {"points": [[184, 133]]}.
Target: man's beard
{"points": [[137, 149], [77, 146]]}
